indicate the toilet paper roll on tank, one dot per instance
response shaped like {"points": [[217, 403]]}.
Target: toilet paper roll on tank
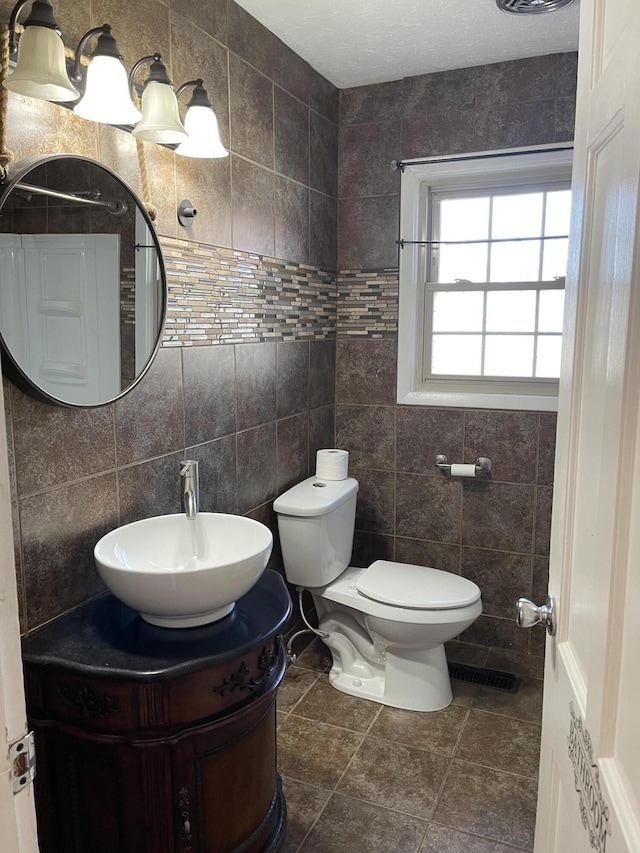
{"points": [[332, 464]]}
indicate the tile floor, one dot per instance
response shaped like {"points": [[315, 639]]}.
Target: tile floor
{"points": [[360, 777]]}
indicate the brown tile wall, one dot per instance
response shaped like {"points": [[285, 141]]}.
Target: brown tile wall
{"points": [[253, 415], [252, 409], [276, 192], [504, 105], [494, 532]]}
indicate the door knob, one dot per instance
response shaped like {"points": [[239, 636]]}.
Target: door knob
{"points": [[528, 614]]}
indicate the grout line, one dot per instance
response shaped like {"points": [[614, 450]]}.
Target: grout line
{"points": [[482, 837], [315, 821], [446, 776], [499, 770], [297, 702], [333, 793], [357, 749]]}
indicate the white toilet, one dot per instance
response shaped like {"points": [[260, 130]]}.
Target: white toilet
{"points": [[386, 624]]}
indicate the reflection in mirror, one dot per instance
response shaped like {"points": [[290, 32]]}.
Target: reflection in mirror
{"points": [[82, 282]]}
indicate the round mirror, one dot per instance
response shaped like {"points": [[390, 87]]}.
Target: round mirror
{"points": [[82, 282]]}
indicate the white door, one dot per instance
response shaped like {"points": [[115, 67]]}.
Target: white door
{"points": [[17, 811], [589, 796], [72, 283], [60, 310]]}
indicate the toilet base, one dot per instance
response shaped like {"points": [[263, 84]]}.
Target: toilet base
{"points": [[411, 680]]}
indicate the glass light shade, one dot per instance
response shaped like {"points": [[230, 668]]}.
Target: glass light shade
{"points": [[204, 137], [160, 117], [41, 69], [106, 96]]}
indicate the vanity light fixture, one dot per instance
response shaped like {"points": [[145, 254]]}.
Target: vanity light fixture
{"points": [[201, 124], [40, 70], [160, 116], [106, 98]]}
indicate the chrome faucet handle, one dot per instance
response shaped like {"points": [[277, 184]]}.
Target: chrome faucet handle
{"points": [[190, 487]]}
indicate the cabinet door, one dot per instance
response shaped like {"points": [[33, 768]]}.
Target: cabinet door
{"points": [[102, 797], [227, 794]]}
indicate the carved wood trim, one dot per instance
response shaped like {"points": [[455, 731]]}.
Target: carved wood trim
{"points": [[241, 678], [86, 701]]}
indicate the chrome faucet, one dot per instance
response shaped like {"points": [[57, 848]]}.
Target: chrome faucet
{"points": [[190, 487]]}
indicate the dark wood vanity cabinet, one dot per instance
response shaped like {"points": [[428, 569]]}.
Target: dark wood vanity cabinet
{"points": [[157, 740]]}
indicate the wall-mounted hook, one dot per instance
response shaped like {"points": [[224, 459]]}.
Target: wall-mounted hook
{"points": [[186, 213]]}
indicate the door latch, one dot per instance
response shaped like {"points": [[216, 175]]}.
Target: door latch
{"points": [[22, 758]]}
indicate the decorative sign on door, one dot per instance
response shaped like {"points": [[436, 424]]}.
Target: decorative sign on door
{"points": [[593, 809]]}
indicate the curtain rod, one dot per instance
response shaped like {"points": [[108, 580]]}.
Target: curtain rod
{"points": [[402, 164], [403, 243], [112, 206]]}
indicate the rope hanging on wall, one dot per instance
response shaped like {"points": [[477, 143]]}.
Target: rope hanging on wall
{"points": [[144, 175], [6, 155]]}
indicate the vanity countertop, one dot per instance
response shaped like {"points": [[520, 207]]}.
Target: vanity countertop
{"points": [[105, 638]]}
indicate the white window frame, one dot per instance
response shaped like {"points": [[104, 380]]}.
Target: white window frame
{"points": [[508, 167]]}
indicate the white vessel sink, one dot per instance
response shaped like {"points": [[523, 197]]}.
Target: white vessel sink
{"points": [[179, 573]]}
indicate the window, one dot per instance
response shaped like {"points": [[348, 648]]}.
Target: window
{"points": [[482, 266]]}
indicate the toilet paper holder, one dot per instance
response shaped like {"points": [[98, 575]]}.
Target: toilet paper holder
{"points": [[482, 464]]}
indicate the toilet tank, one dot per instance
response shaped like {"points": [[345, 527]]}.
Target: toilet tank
{"points": [[316, 521]]}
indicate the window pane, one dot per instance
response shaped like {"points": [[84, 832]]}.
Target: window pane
{"points": [[457, 312], [517, 215], [464, 218], [558, 212], [463, 262], [508, 355], [551, 311], [511, 311], [554, 263], [515, 261], [456, 354], [548, 357]]}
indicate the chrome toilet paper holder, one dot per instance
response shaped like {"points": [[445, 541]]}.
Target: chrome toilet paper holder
{"points": [[483, 464]]}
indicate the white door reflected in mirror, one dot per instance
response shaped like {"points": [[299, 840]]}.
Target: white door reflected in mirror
{"points": [[82, 282]]}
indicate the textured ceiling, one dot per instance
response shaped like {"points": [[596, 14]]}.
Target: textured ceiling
{"points": [[355, 42]]}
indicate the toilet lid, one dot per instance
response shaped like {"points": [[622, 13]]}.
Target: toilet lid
{"points": [[416, 587]]}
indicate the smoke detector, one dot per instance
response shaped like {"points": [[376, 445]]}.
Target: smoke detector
{"points": [[532, 7]]}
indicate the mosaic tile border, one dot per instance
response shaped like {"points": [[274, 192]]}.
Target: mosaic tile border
{"points": [[367, 303], [223, 296]]}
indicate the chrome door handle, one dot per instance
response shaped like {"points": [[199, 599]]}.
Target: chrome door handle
{"points": [[528, 614]]}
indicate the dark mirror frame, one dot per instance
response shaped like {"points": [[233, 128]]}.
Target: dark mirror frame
{"points": [[19, 172]]}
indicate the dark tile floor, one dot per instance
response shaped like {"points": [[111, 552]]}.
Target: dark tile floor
{"points": [[360, 777]]}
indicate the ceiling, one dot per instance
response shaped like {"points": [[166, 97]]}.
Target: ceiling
{"points": [[356, 42]]}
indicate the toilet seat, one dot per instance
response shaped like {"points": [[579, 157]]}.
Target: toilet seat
{"points": [[344, 591], [415, 587]]}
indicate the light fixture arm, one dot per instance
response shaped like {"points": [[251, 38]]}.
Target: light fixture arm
{"points": [[199, 97], [106, 47], [41, 15], [185, 86], [158, 72]]}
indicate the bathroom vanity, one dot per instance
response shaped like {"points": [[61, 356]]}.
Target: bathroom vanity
{"points": [[159, 740]]}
